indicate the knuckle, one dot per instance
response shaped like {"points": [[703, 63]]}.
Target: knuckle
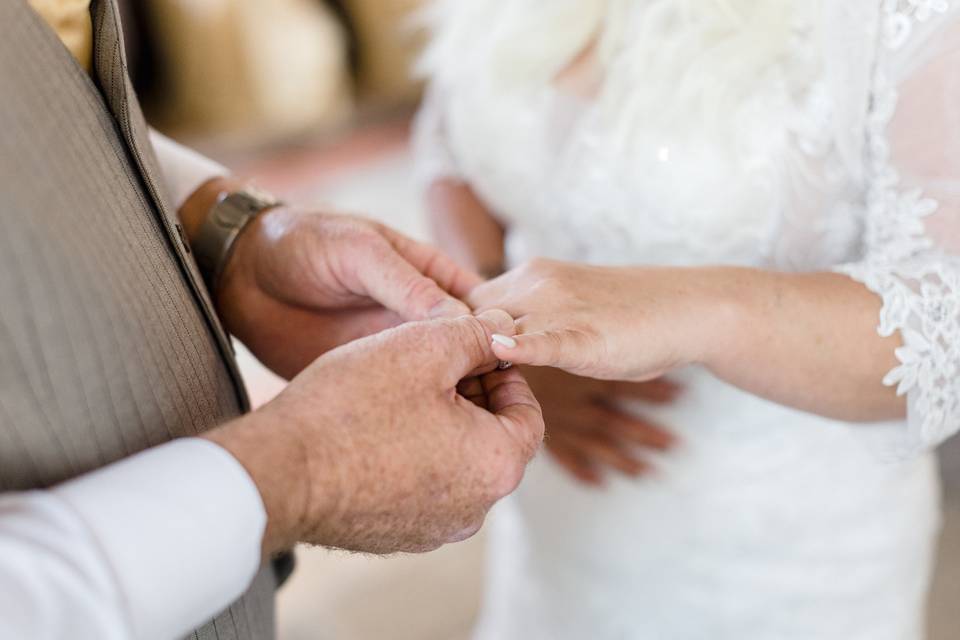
{"points": [[507, 481], [543, 271], [422, 288], [504, 476], [539, 265], [365, 253], [547, 287], [575, 346], [498, 319], [422, 543], [474, 335], [444, 339], [554, 342], [468, 528], [481, 291], [531, 444], [528, 270], [359, 235]]}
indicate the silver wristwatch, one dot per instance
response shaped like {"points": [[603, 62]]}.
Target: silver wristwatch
{"points": [[218, 232]]}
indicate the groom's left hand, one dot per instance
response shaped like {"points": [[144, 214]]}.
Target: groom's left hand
{"points": [[300, 283]]}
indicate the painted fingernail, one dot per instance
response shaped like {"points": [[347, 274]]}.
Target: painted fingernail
{"points": [[504, 341], [449, 308]]}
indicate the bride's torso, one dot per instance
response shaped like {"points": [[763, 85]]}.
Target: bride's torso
{"points": [[648, 152], [626, 139]]}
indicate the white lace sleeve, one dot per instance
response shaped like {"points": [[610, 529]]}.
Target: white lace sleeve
{"points": [[912, 249]]}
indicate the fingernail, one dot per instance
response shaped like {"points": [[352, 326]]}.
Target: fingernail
{"points": [[504, 341], [449, 308]]}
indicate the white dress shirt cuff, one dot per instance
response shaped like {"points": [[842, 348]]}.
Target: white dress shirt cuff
{"points": [[181, 526], [183, 169]]}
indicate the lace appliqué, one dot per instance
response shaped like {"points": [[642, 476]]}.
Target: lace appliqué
{"points": [[921, 301], [920, 287], [901, 15]]}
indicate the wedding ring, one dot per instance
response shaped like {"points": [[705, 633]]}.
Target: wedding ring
{"points": [[503, 365]]}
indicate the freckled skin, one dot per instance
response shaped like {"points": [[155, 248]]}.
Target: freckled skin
{"points": [[370, 447], [775, 335], [376, 452], [300, 283], [587, 433]]}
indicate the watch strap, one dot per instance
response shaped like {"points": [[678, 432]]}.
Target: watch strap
{"points": [[219, 231]]}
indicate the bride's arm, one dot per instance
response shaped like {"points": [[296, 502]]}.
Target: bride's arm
{"points": [[809, 341], [806, 341], [462, 224], [464, 228]]}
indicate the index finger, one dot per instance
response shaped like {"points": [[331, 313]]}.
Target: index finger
{"points": [[511, 399], [434, 264], [492, 293]]}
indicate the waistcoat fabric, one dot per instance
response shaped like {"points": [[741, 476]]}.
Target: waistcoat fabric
{"points": [[108, 341]]}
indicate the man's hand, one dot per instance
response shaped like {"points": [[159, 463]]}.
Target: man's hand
{"points": [[371, 448], [299, 284]]}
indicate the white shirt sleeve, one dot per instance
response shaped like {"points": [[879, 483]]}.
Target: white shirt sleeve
{"points": [[148, 547], [183, 169]]}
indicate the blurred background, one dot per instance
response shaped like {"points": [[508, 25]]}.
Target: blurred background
{"points": [[313, 99]]}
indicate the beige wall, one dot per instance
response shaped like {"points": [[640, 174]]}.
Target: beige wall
{"points": [[249, 67], [389, 43]]}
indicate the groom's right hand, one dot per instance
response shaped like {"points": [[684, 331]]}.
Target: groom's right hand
{"points": [[371, 448]]}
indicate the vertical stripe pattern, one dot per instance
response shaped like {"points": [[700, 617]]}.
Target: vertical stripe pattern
{"points": [[108, 345]]}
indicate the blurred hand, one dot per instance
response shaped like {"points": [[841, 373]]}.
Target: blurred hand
{"points": [[612, 323], [301, 283], [372, 449], [587, 433]]}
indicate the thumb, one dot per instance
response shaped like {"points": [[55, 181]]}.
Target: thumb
{"points": [[465, 344], [396, 284]]}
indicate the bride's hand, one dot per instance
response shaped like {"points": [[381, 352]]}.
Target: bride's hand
{"points": [[614, 323], [586, 431]]}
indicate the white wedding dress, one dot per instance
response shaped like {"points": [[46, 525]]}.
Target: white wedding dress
{"points": [[784, 134]]}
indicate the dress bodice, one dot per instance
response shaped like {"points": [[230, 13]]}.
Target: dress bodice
{"points": [[727, 170], [570, 196]]}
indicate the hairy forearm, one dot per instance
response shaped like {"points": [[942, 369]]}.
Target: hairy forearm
{"points": [[464, 228], [807, 341]]}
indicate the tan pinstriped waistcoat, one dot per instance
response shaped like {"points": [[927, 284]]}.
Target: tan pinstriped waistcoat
{"points": [[108, 343]]}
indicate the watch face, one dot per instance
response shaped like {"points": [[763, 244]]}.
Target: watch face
{"points": [[222, 226], [227, 214], [234, 210], [261, 197]]}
